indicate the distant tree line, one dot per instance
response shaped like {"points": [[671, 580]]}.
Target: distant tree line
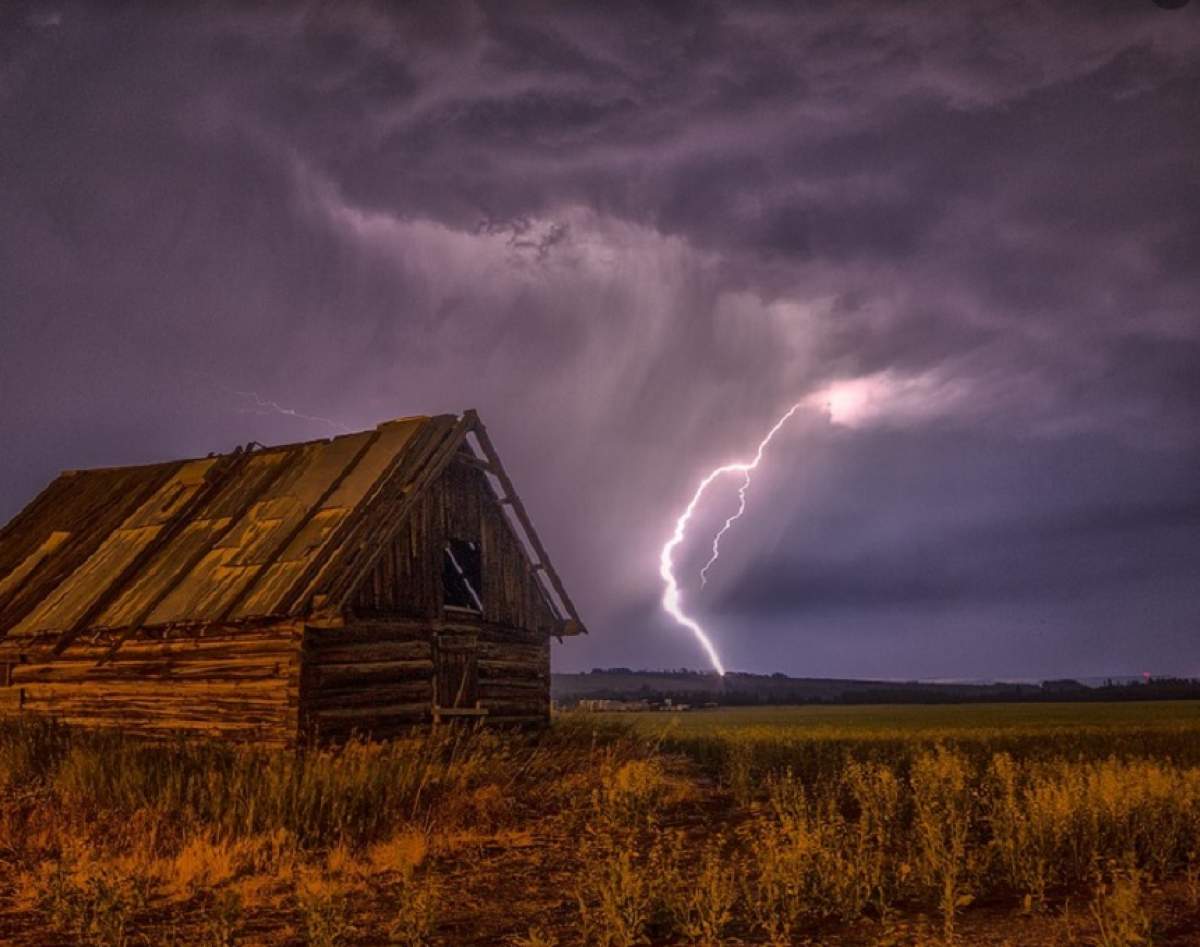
{"points": [[755, 690]]}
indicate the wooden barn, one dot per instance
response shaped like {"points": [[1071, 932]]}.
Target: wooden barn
{"points": [[361, 584]]}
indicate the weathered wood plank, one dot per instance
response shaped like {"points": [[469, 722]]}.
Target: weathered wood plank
{"points": [[372, 697], [364, 675], [499, 705], [534, 684], [388, 712], [521, 669], [513, 651], [154, 716], [370, 653], [189, 705], [197, 647], [364, 632], [518, 690], [82, 674], [273, 692], [506, 634]]}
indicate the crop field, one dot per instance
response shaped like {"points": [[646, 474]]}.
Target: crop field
{"points": [[1035, 824], [920, 719], [817, 741]]}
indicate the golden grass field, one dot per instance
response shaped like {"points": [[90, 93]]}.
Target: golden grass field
{"points": [[1042, 824]]}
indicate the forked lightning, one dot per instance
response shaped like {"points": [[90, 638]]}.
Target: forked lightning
{"points": [[672, 598]]}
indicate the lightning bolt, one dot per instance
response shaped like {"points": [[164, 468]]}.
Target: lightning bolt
{"points": [[263, 405], [268, 405], [716, 545], [672, 600]]}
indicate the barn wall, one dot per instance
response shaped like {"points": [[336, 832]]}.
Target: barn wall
{"points": [[514, 673], [242, 684], [407, 581], [365, 677], [376, 676], [373, 678]]}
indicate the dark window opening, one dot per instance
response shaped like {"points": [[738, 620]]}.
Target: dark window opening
{"points": [[462, 575]]}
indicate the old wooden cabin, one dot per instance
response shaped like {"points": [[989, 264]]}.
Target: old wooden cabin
{"points": [[361, 584]]}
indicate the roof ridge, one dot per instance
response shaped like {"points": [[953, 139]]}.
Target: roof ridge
{"points": [[262, 448]]}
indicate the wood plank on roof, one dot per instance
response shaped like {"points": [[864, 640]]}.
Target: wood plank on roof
{"points": [[88, 584], [400, 444], [209, 525], [378, 520], [89, 505], [18, 576], [375, 453], [228, 570]]}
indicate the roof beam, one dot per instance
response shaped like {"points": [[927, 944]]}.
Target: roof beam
{"points": [[475, 426], [473, 461]]}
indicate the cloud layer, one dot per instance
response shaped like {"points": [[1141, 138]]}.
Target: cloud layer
{"points": [[965, 237]]}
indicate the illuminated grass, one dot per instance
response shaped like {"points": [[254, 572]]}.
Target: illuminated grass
{"points": [[831, 825]]}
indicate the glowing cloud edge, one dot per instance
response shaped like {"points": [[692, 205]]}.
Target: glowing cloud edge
{"points": [[672, 601]]}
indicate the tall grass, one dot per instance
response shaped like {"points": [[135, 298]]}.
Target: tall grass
{"points": [[951, 831], [94, 826], [353, 794], [797, 839]]}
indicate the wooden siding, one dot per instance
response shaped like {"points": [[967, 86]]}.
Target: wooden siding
{"points": [[512, 595], [455, 672], [514, 673], [371, 679], [504, 653], [376, 677], [407, 581], [242, 684]]}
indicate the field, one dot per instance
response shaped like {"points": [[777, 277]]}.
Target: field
{"points": [[1030, 824], [912, 719]]}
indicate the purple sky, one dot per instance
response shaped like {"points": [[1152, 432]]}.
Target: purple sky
{"points": [[966, 235]]}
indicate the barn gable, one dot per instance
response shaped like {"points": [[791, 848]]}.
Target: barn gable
{"points": [[290, 543]]}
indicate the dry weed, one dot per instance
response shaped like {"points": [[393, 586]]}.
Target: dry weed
{"points": [[1119, 910], [414, 911], [942, 821], [698, 894], [325, 908]]}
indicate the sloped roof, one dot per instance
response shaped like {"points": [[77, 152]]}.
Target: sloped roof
{"points": [[251, 534]]}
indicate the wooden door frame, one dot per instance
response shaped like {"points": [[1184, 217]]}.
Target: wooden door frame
{"points": [[464, 643]]}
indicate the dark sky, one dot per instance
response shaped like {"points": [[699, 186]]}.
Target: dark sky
{"points": [[965, 235]]}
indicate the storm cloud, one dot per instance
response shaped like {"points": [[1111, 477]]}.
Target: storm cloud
{"points": [[631, 236]]}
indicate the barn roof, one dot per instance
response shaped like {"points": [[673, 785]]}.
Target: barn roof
{"points": [[266, 533]]}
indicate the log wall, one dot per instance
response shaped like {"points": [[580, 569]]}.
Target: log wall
{"points": [[373, 678], [376, 676], [514, 673], [242, 684]]}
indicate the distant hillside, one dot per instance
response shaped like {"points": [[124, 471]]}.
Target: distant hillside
{"points": [[735, 688]]}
